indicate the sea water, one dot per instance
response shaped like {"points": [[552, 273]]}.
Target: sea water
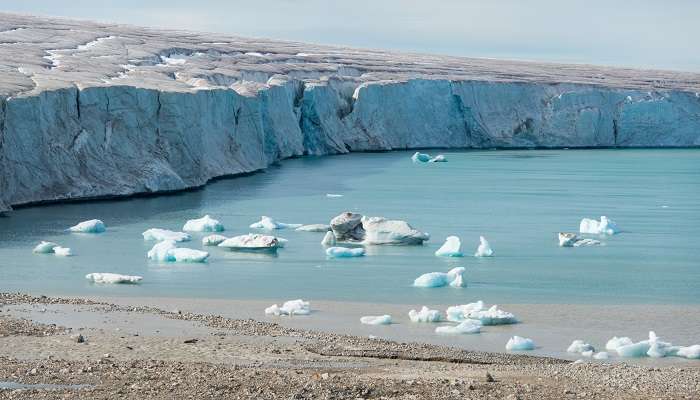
{"points": [[518, 200]]}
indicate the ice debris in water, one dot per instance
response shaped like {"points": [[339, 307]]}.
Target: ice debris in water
{"points": [[438, 158], [62, 251], [204, 224], [425, 315], [517, 343], [333, 195], [164, 234], [291, 307], [568, 239], [314, 228], [491, 316], [464, 327], [379, 230], [252, 242], [45, 247], [603, 355], [579, 346], [270, 224], [343, 252], [451, 248], [420, 157], [454, 278], [616, 342], [484, 249], [108, 277], [376, 319], [329, 239], [690, 352], [166, 251], [91, 226], [653, 347], [282, 242], [602, 227], [213, 240]]}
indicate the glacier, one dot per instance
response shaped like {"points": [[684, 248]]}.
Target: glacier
{"points": [[93, 110]]}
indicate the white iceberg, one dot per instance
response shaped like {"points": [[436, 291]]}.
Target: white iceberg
{"points": [[314, 228], [587, 242], [91, 226], [329, 239], [616, 342], [108, 277], [567, 239], [602, 227], [484, 249], [158, 234], [425, 315], [438, 158], [348, 227], [333, 195], [603, 355], [344, 252], [188, 255], [282, 242], [420, 157], [204, 224], [454, 278], [638, 349], [579, 346], [213, 240], [379, 230], [464, 327], [376, 319], [252, 242], [451, 248], [270, 224], [45, 247], [62, 251], [291, 307], [490, 316], [167, 251], [517, 343], [690, 352]]}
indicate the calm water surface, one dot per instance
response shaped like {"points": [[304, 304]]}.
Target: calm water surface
{"points": [[519, 200]]}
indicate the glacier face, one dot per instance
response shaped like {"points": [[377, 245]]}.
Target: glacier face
{"points": [[92, 110]]}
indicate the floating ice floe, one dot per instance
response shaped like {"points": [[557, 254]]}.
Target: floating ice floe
{"points": [[282, 242], [568, 239], [379, 230], [490, 316], [602, 227], [213, 240], [291, 307], [438, 158], [451, 248], [653, 347], [420, 157], [348, 227], [333, 195], [344, 252], [314, 228], [425, 315], [484, 249], [62, 251], [454, 278], [517, 343], [91, 226], [376, 319], [579, 346], [252, 242], [464, 327], [270, 224], [45, 247], [108, 277], [164, 234], [616, 342], [690, 352], [167, 251], [603, 355], [329, 239], [204, 224]]}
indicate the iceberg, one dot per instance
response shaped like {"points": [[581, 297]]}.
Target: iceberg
{"points": [[188, 255], [314, 228], [639, 349], [291, 307], [376, 320], [690, 352], [616, 342], [108, 277], [164, 234], [567, 239], [454, 278], [91, 226], [603, 355], [517, 343], [204, 224], [344, 252], [166, 251], [269, 224], [451, 248], [464, 327], [579, 346], [252, 242], [420, 157], [329, 239], [602, 227], [379, 230], [484, 249], [425, 315], [282, 242], [348, 227], [491, 316], [587, 242], [62, 251], [333, 195], [438, 158], [213, 240], [45, 247]]}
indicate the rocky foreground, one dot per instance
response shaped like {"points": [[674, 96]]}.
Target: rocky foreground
{"points": [[224, 358]]}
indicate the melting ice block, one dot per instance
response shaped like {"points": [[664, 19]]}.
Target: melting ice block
{"points": [[164, 234], [270, 224], [579, 346], [213, 240], [376, 319], [62, 251], [420, 157], [602, 227], [438, 158], [344, 252], [491, 316], [45, 247], [108, 277], [616, 342], [517, 343], [603, 355], [454, 278], [329, 239], [484, 249], [425, 315], [167, 251], [204, 224], [291, 307], [690, 352], [314, 228], [252, 242], [464, 327], [451, 248], [91, 226], [379, 230]]}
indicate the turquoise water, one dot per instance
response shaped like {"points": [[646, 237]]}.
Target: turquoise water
{"points": [[519, 200]]}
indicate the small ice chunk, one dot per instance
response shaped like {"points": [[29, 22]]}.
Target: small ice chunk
{"points": [[615, 342], [451, 248], [379, 230], [282, 242], [161, 251], [269, 224], [291, 307], [45, 247], [213, 240], [602, 227], [454, 278], [425, 315], [91, 226], [690, 352], [567, 239], [438, 158], [108, 277], [587, 353], [252, 242], [579, 346], [517, 343], [188, 255], [376, 319], [491, 316], [603, 355], [343, 252], [420, 157], [658, 348], [329, 239], [333, 195], [464, 327], [164, 234], [642, 349], [484, 249], [204, 224], [587, 242], [166, 251], [314, 228], [62, 251]]}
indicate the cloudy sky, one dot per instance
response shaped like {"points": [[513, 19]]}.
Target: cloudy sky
{"points": [[639, 33]]}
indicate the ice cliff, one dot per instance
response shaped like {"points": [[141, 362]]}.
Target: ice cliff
{"points": [[93, 110]]}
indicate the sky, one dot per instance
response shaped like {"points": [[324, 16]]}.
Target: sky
{"points": [[641, 33]]}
